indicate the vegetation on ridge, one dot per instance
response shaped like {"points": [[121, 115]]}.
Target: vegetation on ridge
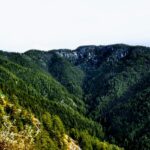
{"points": [[32, 90], [92, 96]]}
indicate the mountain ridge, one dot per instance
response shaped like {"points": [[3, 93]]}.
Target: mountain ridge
{"points": [[93, 89]]}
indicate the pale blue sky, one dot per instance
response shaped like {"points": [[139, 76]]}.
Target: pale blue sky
{"points": [[53, 24]]}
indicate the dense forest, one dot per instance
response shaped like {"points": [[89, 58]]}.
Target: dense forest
{"points": [[90, 98]]}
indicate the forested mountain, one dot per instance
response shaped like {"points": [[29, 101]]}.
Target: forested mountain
{"points": [[94, 97]]}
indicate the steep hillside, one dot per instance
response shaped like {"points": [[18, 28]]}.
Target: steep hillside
{"points": [[116, 79], [116, 89], [29, 87], [19, 129], [100, 93]]}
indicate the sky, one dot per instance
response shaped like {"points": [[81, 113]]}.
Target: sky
{"points": [[54, 24]]}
